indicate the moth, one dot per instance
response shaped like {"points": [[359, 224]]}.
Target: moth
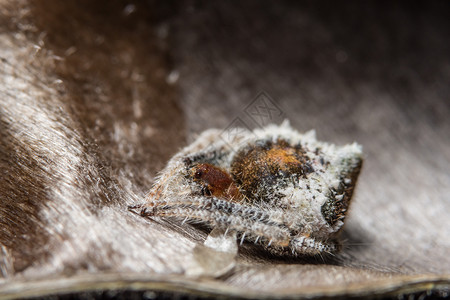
{"points": [[272, 186]]}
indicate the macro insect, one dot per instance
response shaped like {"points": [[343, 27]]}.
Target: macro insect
{"points": [[272, 186]]}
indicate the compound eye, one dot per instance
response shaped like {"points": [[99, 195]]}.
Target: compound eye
{"points": [[198, 174]]}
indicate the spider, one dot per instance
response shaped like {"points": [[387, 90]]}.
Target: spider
{"points": [[273, 186]]}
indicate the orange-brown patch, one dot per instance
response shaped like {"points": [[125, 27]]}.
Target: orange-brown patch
{"points": [[216, 182], [258, 169]]}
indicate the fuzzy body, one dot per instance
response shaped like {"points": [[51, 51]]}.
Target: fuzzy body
{"points": [[273, 186]]}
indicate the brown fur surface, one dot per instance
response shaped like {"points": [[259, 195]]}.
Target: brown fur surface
{"points": [[95, 97]]}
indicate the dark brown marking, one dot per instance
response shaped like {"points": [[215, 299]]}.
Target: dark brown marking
{"points": [[216, 182]]}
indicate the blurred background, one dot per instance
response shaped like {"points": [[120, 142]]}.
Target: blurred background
{"points": [[368, 71]]}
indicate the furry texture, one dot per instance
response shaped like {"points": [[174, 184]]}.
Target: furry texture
{"points": [[297, 198], [70, 158], [95, 98]]}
